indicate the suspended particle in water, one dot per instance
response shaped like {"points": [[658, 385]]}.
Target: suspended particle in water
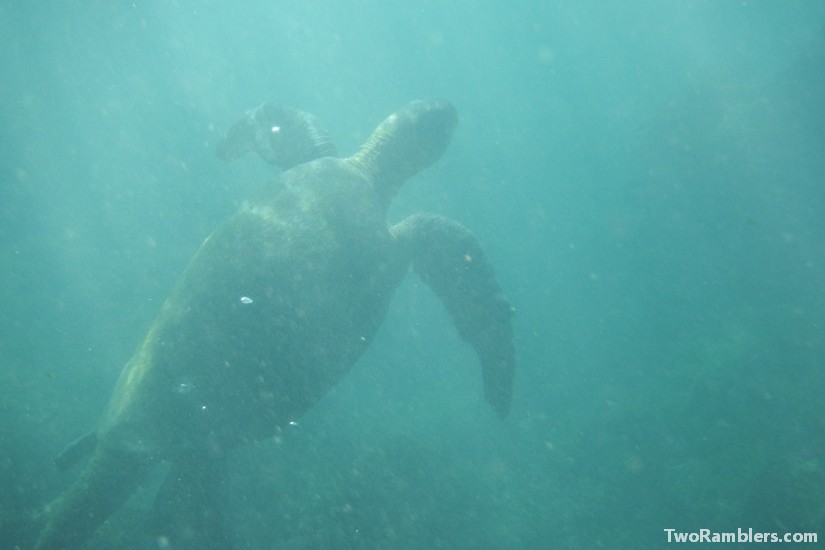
{"points": [[183, 388], [246, 300]]}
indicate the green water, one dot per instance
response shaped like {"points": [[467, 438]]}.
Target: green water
{"points": [[646, 177]]}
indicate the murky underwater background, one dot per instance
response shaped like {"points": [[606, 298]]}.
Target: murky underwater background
{"points": [[646, 176]]}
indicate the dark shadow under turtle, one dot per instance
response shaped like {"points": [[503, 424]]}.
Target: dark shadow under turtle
{"points": [[275, 307]]}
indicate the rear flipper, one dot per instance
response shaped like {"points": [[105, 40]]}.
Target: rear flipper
{"points": [[449, 258], [110, 477], [75, 451]]}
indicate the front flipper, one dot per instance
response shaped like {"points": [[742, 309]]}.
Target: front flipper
{"points": [[281, 135], [449, 258]]}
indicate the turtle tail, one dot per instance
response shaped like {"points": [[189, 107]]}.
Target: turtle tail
{"points": [[281, 135], [408, 141]]}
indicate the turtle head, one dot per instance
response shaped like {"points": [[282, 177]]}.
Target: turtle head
{"points": [[281, 135], [408, 141]]}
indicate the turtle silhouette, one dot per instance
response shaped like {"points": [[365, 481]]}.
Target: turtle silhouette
{"points": [[275, 307]]}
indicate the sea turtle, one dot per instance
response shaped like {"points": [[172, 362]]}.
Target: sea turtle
{"points": [[275, 307]]}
